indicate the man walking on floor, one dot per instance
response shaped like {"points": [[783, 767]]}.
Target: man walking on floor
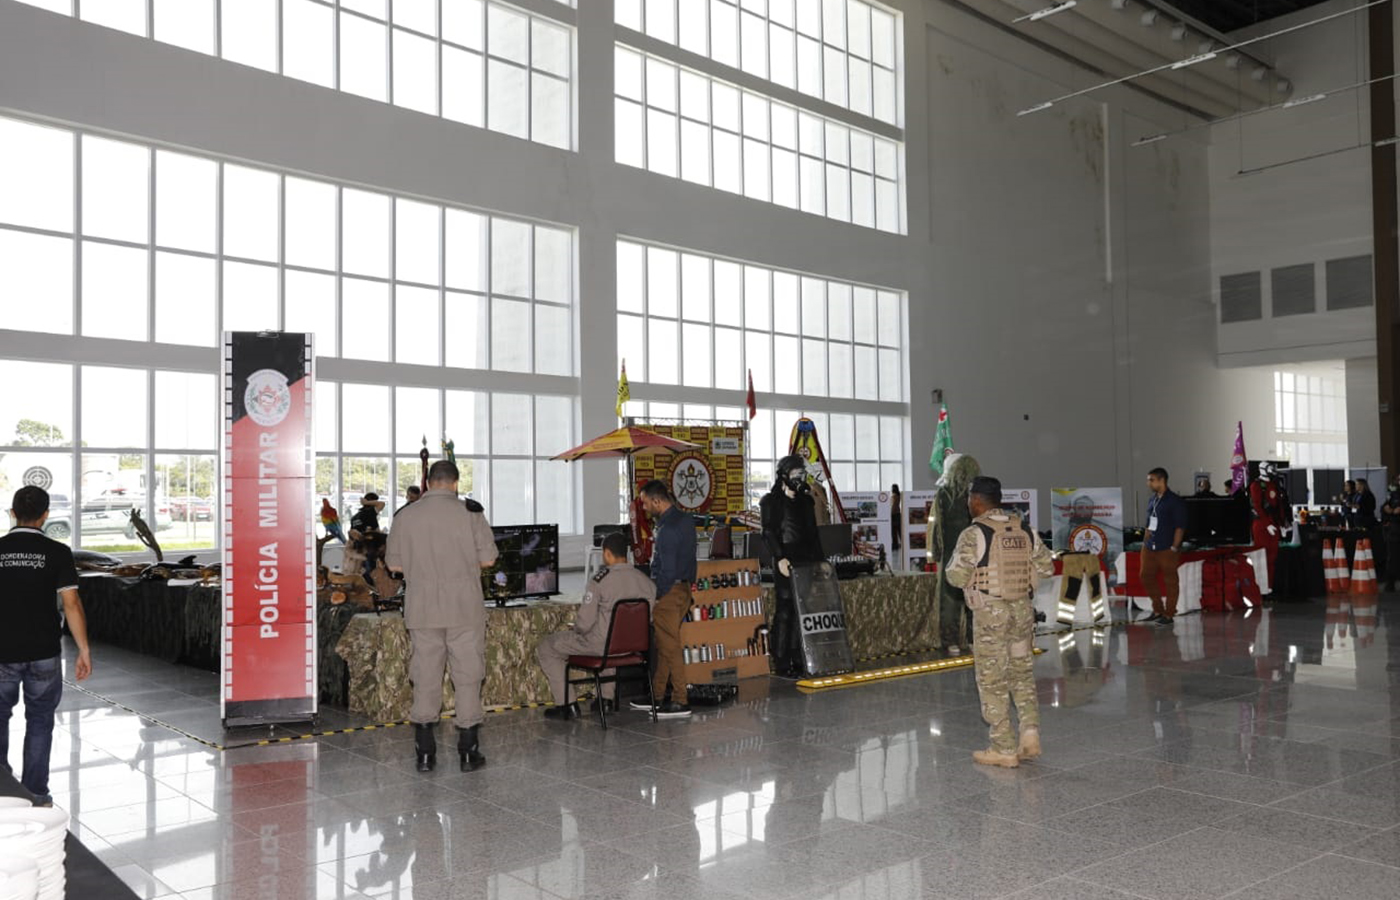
{"points": [[997, 562], [440, 546], [617, 580], [1161, 547], [672, 571], [34, 570]]}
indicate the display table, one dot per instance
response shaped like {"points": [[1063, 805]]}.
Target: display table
{"points": [[375, 648], [1198, 568], [178, 621], [885, 616]]}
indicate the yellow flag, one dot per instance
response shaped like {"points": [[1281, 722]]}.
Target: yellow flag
{"points": [[624, 393]]}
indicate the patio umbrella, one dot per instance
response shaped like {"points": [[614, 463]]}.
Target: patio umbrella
{"points": [[625, 442]]}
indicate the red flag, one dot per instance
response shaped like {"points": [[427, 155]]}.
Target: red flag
{"points": [[751, 400]]}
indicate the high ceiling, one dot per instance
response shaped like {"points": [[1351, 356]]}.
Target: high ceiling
{"points": [[1228, 15]]}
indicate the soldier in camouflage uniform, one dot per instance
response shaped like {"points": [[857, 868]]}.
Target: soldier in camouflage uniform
{"points": [[997, 562]]}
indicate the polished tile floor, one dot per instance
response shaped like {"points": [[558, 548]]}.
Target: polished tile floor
{"points": [[1244, 756]]}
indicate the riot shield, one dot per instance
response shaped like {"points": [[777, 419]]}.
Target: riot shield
{"points": [[822, 620]]}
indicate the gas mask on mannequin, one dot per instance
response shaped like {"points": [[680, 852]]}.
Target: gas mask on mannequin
{"points": [[792, 475]]}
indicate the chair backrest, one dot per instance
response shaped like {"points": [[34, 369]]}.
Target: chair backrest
{"points": [[630, 628]]}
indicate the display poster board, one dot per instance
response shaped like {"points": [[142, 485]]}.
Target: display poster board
{"points": [[916, 519], [822, 619], [708, 480], [869, 513], [1088, 520], [268, 668], [1026, 502]]}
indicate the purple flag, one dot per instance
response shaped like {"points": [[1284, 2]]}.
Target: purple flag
{"points": [[1239, 463]]}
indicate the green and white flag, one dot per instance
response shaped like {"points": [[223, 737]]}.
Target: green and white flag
{"points": [[942, 442]]}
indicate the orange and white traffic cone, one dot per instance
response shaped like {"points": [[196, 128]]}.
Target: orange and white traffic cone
{"points": [[1363, 578], [1329, 565], [1339, 566]]}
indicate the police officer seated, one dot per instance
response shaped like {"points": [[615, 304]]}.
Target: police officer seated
{"points": [[617, 580]]}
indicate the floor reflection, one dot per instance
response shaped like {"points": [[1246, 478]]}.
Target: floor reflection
{"points": [[1262, 740]]}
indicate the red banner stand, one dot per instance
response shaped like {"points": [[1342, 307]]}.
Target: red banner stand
{"points": [[268, 669]]}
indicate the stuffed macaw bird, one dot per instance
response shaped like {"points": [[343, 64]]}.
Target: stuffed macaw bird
{"points": [[330, 520]]}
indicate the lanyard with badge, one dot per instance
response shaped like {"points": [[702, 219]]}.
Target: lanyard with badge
{"points": [[1152, 514]]}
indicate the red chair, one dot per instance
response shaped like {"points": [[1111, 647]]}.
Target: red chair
{"points": [[628, 644]]}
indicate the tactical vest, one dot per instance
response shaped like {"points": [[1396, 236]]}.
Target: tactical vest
{"points": [[1004, 571]]}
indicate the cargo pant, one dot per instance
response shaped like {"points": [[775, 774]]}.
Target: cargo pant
{"points": [[666, 617], [464, 651], [1002, 633], [553, 654]]}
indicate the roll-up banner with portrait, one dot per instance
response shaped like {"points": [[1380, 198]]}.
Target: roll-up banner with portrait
{"points": [[268, 670]]}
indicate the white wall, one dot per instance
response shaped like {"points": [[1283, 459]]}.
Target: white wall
{"points": [[1289, 187], [1059, 281], [1071, 276]]}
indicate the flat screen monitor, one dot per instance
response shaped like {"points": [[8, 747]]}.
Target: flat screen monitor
{"points": [[1297, 483], [836, 539], [527, 563], [1218, 520]]}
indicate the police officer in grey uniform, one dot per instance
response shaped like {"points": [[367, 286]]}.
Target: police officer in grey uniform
{"points": [[617, 580], [440, 546]]}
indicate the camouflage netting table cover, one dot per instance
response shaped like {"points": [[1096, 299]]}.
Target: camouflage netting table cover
{"points": [[886, 615], [376, 648]]}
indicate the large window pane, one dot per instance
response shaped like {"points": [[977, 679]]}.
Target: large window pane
{"points": [[554, 492], [629, 142], [415, 72], [662, 282], [662, 363], [468, 423], [510, 258], [553, 265], [114, 291], [630, 290], [463, 86], [250, 213], [123, 15], [311, 309], [554, 425], [185, 288], [697, 352], [308, 41], [553, 340], [185, 23], [467, 331], [38, 271], [510, 331], [550, 48], [54, 473], [360, 475], [186, 411], [758, 357], [507, 98], [631, 339], [115, 185], [512, 492], [365, 307], [186, 197], [510, 425], [250, 297], [41, 415], [110, 487], [814, 367], [310, 223], [113, 407], [467, 251], [187, 490], [365, 403], [249, 33], [416, 241], [363, 58], [787, 365], [416, 416], [550, 119], [364, 226], [36, 175], [416, 325]]}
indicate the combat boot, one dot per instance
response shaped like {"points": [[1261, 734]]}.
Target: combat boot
{"points": [[991, 757], [1029, 747], [425, 746], [469, 748]]}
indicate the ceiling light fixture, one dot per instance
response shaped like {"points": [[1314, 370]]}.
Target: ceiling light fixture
{"points": [[1192, 60], [1166, 66], [1304, 101], [1047, 11], [1263, 109]]}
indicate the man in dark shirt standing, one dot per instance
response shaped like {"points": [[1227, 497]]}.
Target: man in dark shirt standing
{"points": [[1161, 547], [35, 570], [672, 571]]}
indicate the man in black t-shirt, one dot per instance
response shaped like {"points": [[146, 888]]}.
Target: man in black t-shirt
{"points": [[35, 571]]}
